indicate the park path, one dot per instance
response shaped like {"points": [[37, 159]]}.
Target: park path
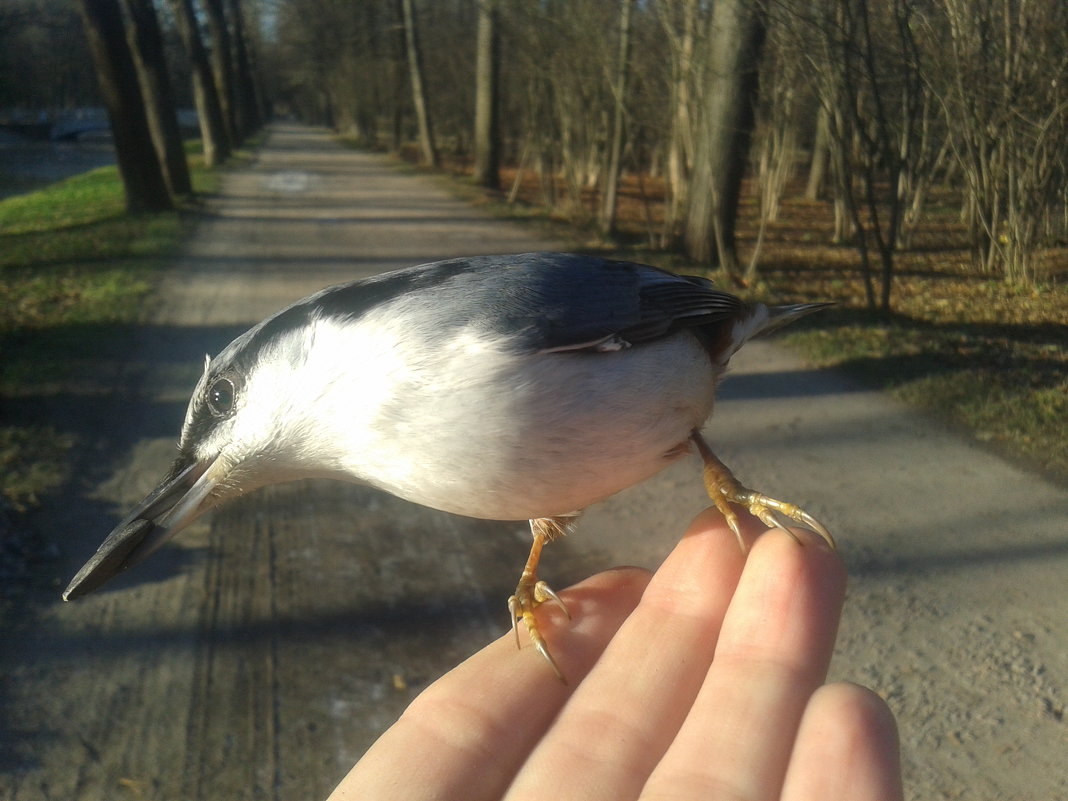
{"points": [[261, 653]]}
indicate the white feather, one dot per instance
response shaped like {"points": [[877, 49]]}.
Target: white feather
{"points": [[466, 426]]}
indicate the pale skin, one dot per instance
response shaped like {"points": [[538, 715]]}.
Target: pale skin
{"points": [[648, 713]]}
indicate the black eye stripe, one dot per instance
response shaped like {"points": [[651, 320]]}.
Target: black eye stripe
{"points": [[222, 396]]}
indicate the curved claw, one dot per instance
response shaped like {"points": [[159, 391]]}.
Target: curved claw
{"points": [[761, 506], [513, 610], [543, 592], [521, 607], [724, 507], [776, 523], [818, 527], [543, 649]]}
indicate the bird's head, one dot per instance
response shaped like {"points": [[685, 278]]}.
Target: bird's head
{"points": [[256, 417]]}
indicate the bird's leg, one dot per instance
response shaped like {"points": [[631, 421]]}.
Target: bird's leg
{"points": [[530, 591], [725, 489]]}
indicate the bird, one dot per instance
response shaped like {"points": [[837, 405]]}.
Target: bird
{"points": [[511, 387]]}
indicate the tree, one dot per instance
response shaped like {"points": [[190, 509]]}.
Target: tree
{"points": [[1006, 106], [777, 131], [222, 66], [146, 45], [680, 28], [566, 101], [427, 149], [487, 97], [34, 72], [615, 148], [871, 86], [213, 133], [724, 130], [142, 176], [820, 152], [245, 103]]}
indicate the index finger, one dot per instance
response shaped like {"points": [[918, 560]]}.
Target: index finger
{"points": [[484, 717]]}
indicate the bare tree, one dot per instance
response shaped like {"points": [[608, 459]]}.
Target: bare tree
{"points": [[736, 37], [911, 93], [679, 23], [142, 177], [571, 74], [777, 133], [780, 114], [213, 134], [615, 148], [487, 97], [1006, 105], [222, 67], [245, 102], [817, 167], [870, 82], [146, 44], [427, 148]]}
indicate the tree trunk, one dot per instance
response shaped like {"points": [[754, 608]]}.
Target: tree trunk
{"points": [[247, 109], [427, 153], [146, 45], [223, 68], [213, 134], [615, 151], [142, 177], [821, 149], [680, 153], [736, 36], [487, 105]]}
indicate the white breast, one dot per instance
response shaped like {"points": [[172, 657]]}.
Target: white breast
{"points": [[470, 429], [464, 426]]}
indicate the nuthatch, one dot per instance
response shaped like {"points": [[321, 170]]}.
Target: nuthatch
{"points": [[521, 387]]}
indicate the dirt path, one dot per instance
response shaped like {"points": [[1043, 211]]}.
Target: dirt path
{"points": [[260, 655]]}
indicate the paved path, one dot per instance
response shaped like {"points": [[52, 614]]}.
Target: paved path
{"points": [[262, 652]]}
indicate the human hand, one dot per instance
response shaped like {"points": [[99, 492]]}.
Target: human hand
{"points": [[649, 713]]}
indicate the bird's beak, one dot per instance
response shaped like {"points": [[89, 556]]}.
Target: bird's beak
{"points": [[180, 498]]}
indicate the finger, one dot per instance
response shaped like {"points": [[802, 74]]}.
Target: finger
{"points": [[622, 718], [773, 652], [847, 748], [483, 717]]}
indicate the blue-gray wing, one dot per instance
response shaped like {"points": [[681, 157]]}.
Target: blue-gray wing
{"points": [[561, 301], [532, 301]]}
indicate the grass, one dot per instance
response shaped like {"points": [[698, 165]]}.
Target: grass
{"points": [[987, 357], [1008, 390], [34, 459], [73, 264]]}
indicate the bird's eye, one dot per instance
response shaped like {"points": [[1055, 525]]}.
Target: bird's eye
{"points": [[221, 397]]}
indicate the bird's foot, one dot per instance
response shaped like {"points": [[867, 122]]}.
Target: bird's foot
{"points": [[530, 592], [725, 490], [528, 595]]}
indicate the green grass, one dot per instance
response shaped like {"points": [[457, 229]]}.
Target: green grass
{"points": [[69, 254], [34, 460], [86, 198], [1006, 386], [73, 265]]}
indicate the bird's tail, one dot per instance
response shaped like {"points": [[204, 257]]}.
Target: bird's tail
{"points": [[778, 316], [763, 319]]}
